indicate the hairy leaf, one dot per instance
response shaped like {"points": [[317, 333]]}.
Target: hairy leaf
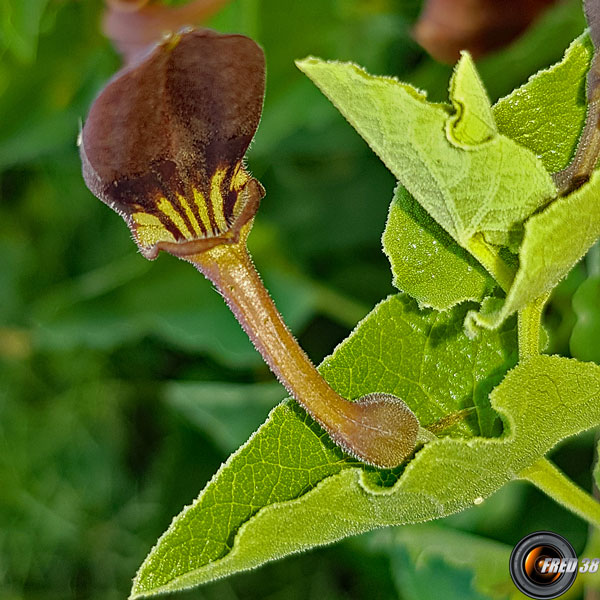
{"points": [[426, 262], [555, 240], [266, 503], [396, 349], [489, 188], [473, 122], [546, 114], [412, 354]]}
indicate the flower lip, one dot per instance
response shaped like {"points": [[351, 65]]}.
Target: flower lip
{"points": [[164, 142]]}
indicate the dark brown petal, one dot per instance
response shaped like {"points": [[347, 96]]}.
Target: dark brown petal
{"points": [[164, 142]]}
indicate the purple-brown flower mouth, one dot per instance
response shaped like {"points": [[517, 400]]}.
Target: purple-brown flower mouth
{"points": [[164, 142]]}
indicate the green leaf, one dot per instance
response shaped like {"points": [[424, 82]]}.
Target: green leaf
{"points": [[555, 240], [547, 113], [473, 122], [596, 471], [396, 349], [426, 262], [288, 489], [410, 353], [542, 44], [489, 188], [420, 553]]}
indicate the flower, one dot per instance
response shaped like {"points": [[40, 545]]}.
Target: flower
{"points": [[164, 142], [163, 145]]}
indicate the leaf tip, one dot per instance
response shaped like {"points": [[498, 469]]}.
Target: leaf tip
{"points": [[473, 122], [136, 592], [302, 63], [465, 55]]}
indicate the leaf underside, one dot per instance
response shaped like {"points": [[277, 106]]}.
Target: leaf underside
{"points": [[426, 262], [467, 176], [547, 115], [544, 116]]}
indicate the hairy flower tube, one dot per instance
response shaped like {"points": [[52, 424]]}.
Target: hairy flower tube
{"points": [[163, 145]]}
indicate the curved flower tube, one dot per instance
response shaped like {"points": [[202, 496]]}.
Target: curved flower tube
{"points": [[164, 145]]}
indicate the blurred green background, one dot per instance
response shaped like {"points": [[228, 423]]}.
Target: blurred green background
{"points": [[124, 384]]}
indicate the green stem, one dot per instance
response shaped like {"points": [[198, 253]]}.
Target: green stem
{"points": [[553, 482], [489, 257], [530, 327]]}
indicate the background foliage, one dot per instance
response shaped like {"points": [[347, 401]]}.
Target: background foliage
{"points": [[124, 384]]}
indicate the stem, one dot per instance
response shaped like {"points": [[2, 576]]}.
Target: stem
{"points": [[445, 423], [553, 482], [530, 326], [488, 256], [379, 428]]}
